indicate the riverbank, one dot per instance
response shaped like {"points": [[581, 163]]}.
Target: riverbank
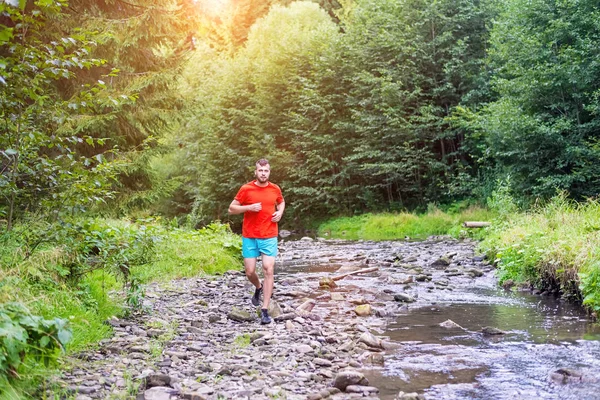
{"points": [[79, 277], [551, 248]]}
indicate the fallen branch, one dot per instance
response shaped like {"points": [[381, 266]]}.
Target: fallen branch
{"points": [[360, 271], [475, 224]]}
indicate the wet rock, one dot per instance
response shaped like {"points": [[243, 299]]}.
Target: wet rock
{"points": [[370, 340], [157, 380], [363, 310], [508, 284], [566, 375], [410, 396], [349, 377], [474, 272], [441, 262], [449, 324], [284, 233], [361, 389], [422, 278], [240, 315], [404, 298], [491, 331]]}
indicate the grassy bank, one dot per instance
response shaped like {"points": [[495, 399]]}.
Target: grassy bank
{"points": [[80, 276], [394, 226], [554, 247]]}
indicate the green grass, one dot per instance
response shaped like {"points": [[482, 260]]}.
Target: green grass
{"points": [[394, 226], [556, 245], [40, 283]]}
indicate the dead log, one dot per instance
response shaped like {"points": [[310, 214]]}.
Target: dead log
{"points": [[476, 224], [360, 271]]}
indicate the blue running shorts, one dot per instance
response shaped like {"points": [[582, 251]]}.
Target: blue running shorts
{"points": [[252, 248]]}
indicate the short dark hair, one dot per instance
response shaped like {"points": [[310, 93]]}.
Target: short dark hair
{"points": [[262, 162]]}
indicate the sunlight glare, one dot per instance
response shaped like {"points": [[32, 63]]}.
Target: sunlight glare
{"points": [[213, 7]]}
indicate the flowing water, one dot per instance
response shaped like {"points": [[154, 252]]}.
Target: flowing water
{"points": [[549, 348]]}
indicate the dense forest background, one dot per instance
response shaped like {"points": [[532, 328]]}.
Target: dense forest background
{"points": [[134, 108]]}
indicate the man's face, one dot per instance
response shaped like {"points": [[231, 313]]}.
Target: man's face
{"points": [[262, 173]]}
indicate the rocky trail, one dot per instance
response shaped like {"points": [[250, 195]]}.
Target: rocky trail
{"points": [[201, 338]]}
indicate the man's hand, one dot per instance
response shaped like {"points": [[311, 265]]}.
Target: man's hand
{"points": [[277, 215], [256, 207]]}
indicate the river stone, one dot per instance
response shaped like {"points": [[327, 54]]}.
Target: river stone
{"points": [[289, 325], [491, 331], [157, 380], [370, 340], [449, 324], [240, 315], [474, 272], [337, 296], [349, 377], [361, 389], [307, 239], [404, 298], [410, 396], [322, 362], [327, 283], [158, 393], [307, 306], [441, 262], [284, 233], [363, 310]]}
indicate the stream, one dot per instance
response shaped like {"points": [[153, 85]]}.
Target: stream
{"points": [[549, 348]]}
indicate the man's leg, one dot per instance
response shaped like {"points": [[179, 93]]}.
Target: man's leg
{"points": [[268, 264], [250, 267]]}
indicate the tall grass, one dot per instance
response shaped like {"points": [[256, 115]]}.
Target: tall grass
{"points": [[393, 226], [555, 246]]}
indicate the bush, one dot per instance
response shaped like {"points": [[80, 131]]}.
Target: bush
{"points": [[25, 335]]}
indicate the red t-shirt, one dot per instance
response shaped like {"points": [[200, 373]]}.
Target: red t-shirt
{"points": [[258, 225]]}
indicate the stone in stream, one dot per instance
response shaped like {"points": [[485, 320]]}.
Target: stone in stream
{"points": [[410, 396], [361, 389], [491, 331], [349, 377], [449, 324], [240, 315], [404, 298], [363, 310], [370, 340]]}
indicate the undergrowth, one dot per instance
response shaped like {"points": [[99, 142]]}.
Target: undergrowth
{"points": [[84, 272]]}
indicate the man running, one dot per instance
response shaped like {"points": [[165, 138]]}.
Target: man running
{"points": [[262, 204]]}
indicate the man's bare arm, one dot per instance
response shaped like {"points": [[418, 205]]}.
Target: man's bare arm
{"points": [[279, 213], [236, 208]]}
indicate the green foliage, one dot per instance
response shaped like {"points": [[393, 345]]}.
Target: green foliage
{"points": [[42, 162], [350, 120], [542, 129], [25, 335], [554, 247]]}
